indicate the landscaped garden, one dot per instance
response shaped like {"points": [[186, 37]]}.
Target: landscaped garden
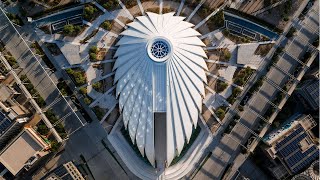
{"points": [[235, 38], [97, 54], [242, 76], [221, 112], [109, 5], [78, 76], [235, 92], [221, 86], [91, 12], [72, 30], [42, 128], [98, 86], [107, 25]]}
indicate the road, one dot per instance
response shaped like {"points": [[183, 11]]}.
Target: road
{"points": [[228, 146]]}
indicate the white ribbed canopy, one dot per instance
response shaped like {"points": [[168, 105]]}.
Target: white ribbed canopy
{"points": [[160, 68]]}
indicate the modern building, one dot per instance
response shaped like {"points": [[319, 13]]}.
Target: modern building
{"points": [[293, 145], [23, 151], [67, 171], [160, 77], [309, 91]]}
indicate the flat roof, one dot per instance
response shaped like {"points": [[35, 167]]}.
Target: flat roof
{"points": [[297, 150], [16, 154]]}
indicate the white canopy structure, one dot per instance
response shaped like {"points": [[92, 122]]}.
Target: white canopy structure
{"points": [[160, 76]]}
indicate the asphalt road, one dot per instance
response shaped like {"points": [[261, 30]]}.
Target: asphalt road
{"points": [[228, 147]]}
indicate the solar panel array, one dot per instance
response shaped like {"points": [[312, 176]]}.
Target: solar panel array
{"points": [[287, 139], [290, 145], [307, 162]]}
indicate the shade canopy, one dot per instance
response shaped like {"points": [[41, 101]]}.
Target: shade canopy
{"points": [[160, 68]]}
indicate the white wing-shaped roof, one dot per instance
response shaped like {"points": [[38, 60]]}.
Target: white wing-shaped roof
{"points": [[160, 67]]}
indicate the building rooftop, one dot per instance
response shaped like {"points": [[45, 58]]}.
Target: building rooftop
{"points": [[160, 67], [309, 90], [293, 144], [13, 158]]}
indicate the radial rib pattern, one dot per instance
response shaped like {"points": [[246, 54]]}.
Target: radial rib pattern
{"points": [[146, 83]]}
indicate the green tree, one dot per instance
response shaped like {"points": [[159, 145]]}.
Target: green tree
{"points": [[54, 145], [107, 25], [226, 54], [51, 116], [87, 100], [291, 32], [220, 113], [79, 78], [69, 71], [93, 56], [221, 86], [83, 90], [42, 129], [77, 29], [68, 29], [236, 91], [40, 101], [93, 49], [110, 5], [89, 11], [97, 86], [12, 61]]}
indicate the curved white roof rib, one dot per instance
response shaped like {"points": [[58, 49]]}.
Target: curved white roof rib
{"points": [[160, 67]]}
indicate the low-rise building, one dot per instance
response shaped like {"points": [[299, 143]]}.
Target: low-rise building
{"points": [[293, 146], [23, 151]]}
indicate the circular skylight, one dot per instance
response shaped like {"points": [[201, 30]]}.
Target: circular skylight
{"points": [[160, 68], [159, 49]]}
